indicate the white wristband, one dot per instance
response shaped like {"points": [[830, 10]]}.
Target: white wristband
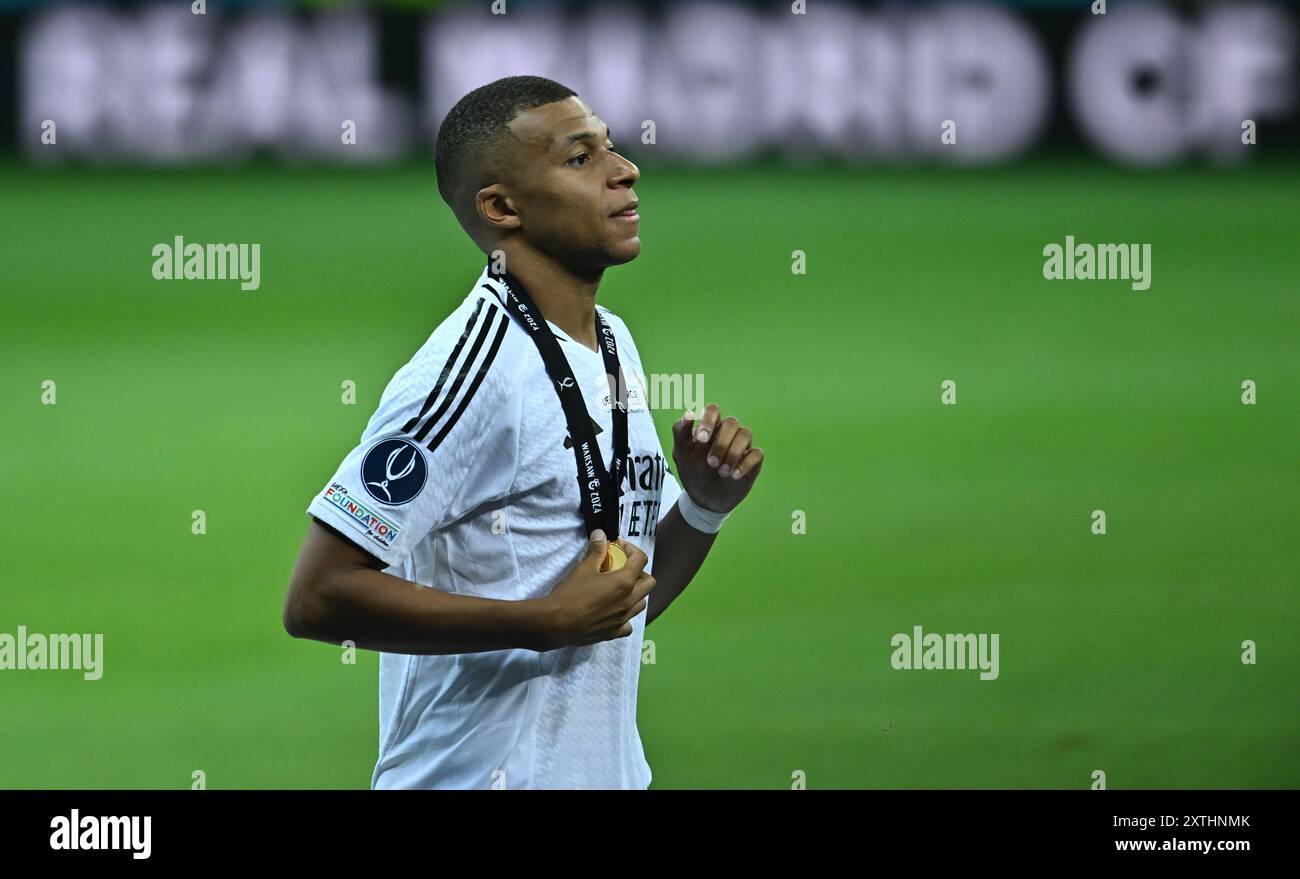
{"points": [[699, 518]]}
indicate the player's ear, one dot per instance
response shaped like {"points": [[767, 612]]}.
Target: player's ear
{"points": [[496, 208]]}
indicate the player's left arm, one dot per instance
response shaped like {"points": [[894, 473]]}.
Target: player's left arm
{"points": [[717, 464]]}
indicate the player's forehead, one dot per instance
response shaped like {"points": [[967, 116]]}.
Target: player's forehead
{"points": [[554, 126]]}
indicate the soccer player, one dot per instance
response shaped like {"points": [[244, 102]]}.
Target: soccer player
{"points": [[464, 537]]}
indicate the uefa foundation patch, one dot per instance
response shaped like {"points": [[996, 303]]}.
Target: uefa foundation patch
{"points": [[366, 520]]}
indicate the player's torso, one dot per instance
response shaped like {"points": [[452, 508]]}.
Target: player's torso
{"points": [[519, 545], [561, 718]]}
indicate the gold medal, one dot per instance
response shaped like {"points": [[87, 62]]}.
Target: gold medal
{"points": [[614, 559]]}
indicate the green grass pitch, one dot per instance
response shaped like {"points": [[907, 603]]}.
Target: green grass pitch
{"points": [[1119, 653]]}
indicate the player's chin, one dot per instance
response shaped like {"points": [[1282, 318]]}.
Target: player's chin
{"points": [[623, 250]]}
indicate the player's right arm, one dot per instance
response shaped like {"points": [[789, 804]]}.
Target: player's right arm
{"points": [[338, 593]]}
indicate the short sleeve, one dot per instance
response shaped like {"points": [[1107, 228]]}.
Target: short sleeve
{"points": [[443, 440]]}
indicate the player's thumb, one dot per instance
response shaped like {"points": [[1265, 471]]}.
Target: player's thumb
{"points": [[596, 548]]}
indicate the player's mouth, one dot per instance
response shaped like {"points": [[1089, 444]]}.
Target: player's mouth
{"points": [[628, 212]]}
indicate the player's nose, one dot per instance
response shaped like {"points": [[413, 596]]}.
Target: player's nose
{"points": [[626, 173]]}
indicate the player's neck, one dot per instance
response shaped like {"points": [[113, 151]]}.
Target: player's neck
{"points": [[566, 300]]}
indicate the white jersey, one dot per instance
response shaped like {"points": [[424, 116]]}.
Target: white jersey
{"points": [[465, 481]]}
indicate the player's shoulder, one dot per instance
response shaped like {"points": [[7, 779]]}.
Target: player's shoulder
{"points": [[462, 373], [479, 325]]}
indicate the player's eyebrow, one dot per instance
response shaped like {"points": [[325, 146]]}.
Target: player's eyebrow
{"points": [[582, 135]]}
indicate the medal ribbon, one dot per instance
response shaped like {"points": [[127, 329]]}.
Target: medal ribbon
{"points": [[597, 487]]}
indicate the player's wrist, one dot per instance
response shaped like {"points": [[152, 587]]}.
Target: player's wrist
{"points": [[706, 521], [539, 624]]}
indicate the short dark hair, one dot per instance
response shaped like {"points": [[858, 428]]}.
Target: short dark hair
{"points": [[468, 134]]}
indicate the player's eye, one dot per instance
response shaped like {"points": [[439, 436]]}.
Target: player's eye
{"points": [[577, 157]]}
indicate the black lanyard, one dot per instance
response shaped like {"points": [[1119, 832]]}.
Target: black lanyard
{"points": [[598, 489]]}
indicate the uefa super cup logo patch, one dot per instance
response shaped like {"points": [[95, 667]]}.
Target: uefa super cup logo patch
{"points": [[394, 471]]}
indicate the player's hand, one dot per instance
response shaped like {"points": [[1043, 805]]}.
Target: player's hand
{"points": [[716, 460], [588, 606]]}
